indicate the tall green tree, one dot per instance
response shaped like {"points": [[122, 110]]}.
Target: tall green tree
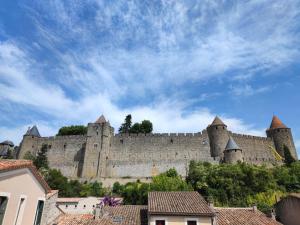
{"points": [[125, 127], [146, 127], [41, 160]]}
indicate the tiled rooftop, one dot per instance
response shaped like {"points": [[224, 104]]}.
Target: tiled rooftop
{"points": [[121, 215], [178, 203], [8, 165], [243, 216]]}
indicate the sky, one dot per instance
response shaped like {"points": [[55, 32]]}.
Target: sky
{"points": [[176, 63]]}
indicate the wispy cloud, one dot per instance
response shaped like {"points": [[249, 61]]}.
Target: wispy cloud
{"points": [[95, 55]]}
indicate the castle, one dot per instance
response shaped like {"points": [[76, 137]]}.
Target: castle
{"points": [[103, 154]]}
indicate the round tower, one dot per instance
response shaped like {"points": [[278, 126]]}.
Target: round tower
{"points": [[218, 137], [232, 153], [282, 136]]}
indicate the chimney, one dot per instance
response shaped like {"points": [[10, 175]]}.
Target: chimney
{"points": [[254, 207], [98, 211]]}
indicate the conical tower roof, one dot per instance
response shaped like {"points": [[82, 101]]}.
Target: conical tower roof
{"points": [[276, 123], [217, 121], [231, 145], [33, 132], [101, 119]]}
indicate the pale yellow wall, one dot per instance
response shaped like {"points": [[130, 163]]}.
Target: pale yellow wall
{"points": [[17, 183], [180, 220]]}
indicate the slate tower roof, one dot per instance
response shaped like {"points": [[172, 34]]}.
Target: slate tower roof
{"points": [[231, 145], [101, 119], [217, 121], [33, 132]]}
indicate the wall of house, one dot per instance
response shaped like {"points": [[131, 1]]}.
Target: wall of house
{"points": [[51, 212], [13, 184], [180, 220]]}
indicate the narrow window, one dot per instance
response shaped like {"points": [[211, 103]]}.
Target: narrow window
{"points": [[191, 222], [20, 212], [3, 203], [39, 213], [160, 222]]}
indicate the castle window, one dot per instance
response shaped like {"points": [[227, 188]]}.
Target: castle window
{"points": [[32, 146], [121, 141], [171, 140], [95, 145], [216, 128], [97, 132], [65, 145], [49, 146]]}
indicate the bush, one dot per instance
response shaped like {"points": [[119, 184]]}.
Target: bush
{"points": [[72, 130]]}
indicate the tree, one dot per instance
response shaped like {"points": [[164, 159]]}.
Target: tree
{"points": [[28, 156], [136, 128], [288, 158], [125, 127], [146, 127], [72, 130], [41, 160]]}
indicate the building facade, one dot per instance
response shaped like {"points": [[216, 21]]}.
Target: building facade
{"points": [[103, 154]]}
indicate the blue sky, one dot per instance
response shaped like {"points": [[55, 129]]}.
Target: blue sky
{"points": [[177, 63]]}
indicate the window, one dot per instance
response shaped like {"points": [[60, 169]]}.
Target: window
{"points": [[39, 212], [3, 203], [191, 222], [160, 222], [20, 211]]}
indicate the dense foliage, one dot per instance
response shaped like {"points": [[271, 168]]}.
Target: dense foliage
{"points": [[144, 127], [231, 185], [72, 130], [243, 184], [136, 193]]}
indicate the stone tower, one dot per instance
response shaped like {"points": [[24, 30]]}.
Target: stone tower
{"points": [[218, 137], [30, 142], [232, 152], [282, 136], [97, 148]]}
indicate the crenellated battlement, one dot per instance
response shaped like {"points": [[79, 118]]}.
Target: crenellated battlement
{"points": [[246, 136], [159, 135]]}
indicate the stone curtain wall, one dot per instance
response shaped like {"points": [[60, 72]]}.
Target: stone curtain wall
{"points": [[140, 155], [65, 153], [256, 150]]}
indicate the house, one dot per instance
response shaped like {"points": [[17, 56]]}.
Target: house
{"points": [[24, 195], [170, 208], [79, 205], [288, 209], [180, 208]]}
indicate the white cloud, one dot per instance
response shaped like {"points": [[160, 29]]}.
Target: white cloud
{"points": [[248, 90], [173, 42]]}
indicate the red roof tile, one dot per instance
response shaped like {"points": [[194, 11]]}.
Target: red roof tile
{"points": [[121, 215], [178, 203], [8, 165], [243, 216], [276, 123]]}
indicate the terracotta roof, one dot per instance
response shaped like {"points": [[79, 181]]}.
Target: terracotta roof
{"points": [[121, 215], [231, 145], [217, 121], [178, 203], [276, 123], [84, 219], [8, 165], [101, 119], [245, 216]]}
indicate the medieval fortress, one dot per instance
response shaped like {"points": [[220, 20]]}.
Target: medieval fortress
{"points": [[102, 154]]}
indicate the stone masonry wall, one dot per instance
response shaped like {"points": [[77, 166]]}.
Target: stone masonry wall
{"points": [[140, 155], [256, 150]]}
